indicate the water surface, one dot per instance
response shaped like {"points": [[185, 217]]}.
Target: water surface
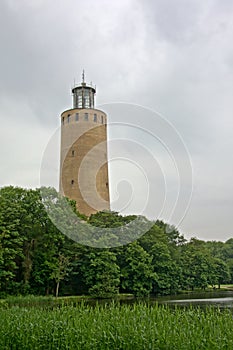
{"points": [[222, 299]]}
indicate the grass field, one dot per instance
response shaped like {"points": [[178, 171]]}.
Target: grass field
{"points": [[136, 327]]}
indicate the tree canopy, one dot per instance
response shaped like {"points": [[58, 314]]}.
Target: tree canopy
{"points": [[36, 258]]}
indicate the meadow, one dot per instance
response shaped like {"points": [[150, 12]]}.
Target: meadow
{"points": [[114, 326]]}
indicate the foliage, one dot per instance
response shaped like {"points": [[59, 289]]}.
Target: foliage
{"points": [[36, 258], [101, 272], [137, 270]]}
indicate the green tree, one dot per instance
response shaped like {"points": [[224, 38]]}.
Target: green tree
{"points": [[221, 272], [12, 214], [163, 267], [136, 270], [60, 270], [198, 264], [101, 273], [227, 256]]}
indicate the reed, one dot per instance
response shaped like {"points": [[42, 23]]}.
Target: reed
{"points": [[136, 326]]}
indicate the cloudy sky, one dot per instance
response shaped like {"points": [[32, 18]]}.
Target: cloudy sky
{"points": [[171, 57]]}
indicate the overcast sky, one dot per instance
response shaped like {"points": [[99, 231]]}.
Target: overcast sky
{"points": [[172, 57]]}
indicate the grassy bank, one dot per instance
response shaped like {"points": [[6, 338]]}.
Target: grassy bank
{"points": [[52, 302], [134, 327], [33, 300]]}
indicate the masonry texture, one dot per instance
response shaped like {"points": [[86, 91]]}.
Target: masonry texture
{"points": [[84, 159]]}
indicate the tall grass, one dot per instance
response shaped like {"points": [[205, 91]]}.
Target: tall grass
{"points": [[113, 326]]}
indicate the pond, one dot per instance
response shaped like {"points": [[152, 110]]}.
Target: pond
{"points": [[217, 298], [221, 299]]}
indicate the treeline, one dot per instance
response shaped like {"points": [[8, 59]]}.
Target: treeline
{"points": [[36, 258]]}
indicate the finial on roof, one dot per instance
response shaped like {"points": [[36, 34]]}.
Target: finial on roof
{"points": [[83, 76]]}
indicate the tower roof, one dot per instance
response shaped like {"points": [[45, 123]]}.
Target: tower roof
{"points": [[83, 94]]}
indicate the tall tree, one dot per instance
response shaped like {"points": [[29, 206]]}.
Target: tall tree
{"points": [[101, 273], [136, 270]]}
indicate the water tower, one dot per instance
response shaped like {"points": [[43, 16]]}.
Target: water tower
{"points": [[84, 156]]}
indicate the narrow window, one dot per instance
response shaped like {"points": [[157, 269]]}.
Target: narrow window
{"points": [[86, 116], [68, 118], [73, 153], [102, 119], [95, 118], [76, 117], [80, 102], [72, 182]]}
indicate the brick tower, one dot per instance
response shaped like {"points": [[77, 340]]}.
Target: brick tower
{"points": [[83, 158]]}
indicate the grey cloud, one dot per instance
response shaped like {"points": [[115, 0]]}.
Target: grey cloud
{"points": [[174, 57], [175, 21]]}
